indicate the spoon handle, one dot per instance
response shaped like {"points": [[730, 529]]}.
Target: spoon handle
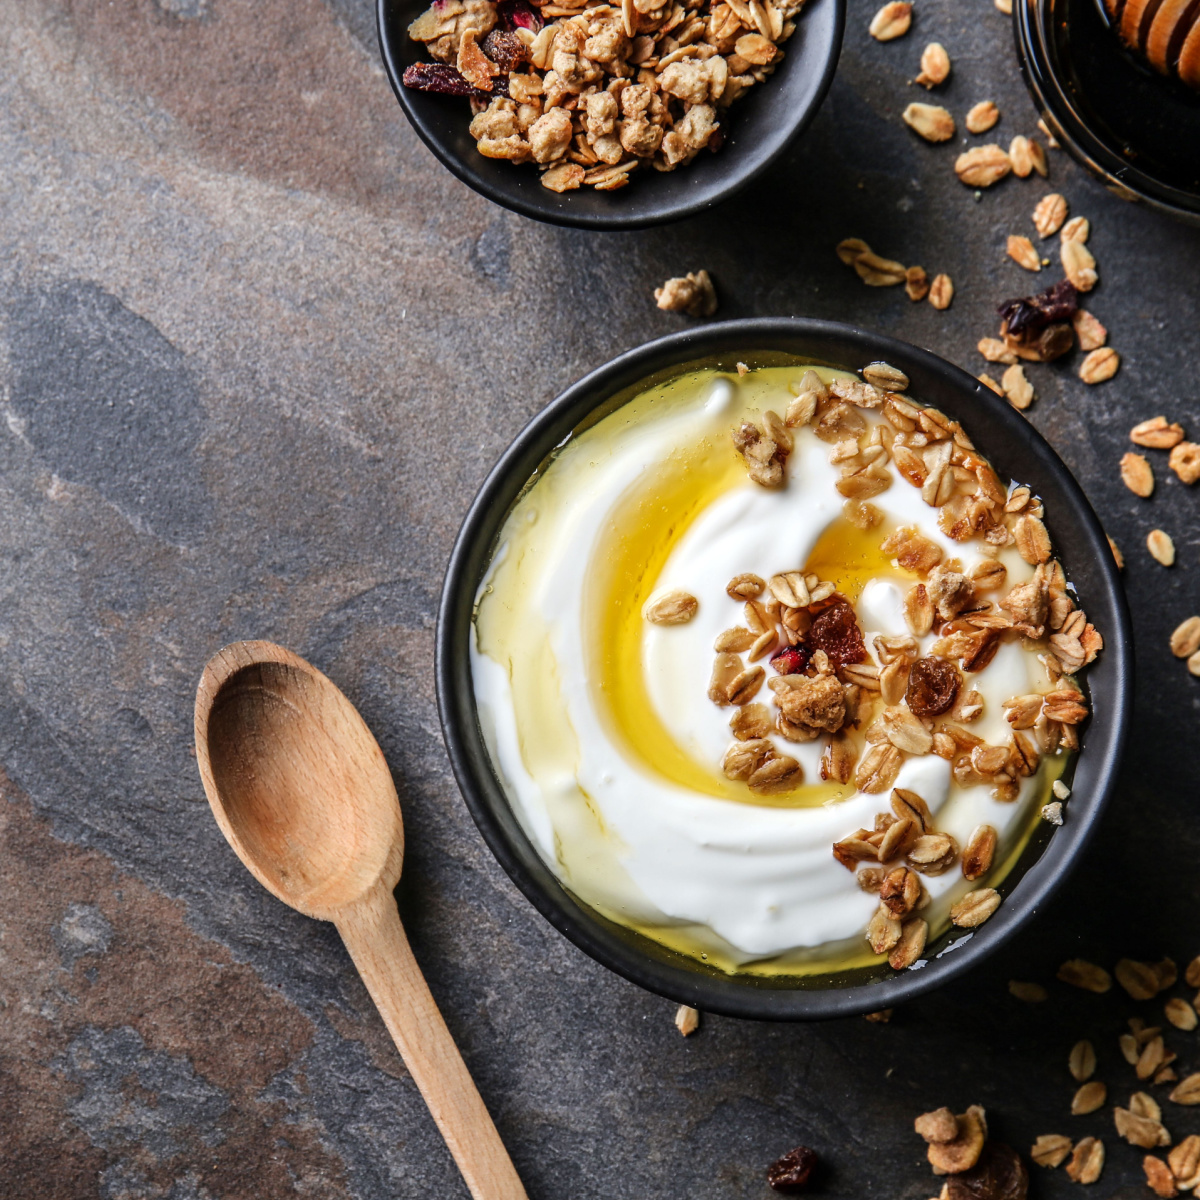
{"points": [[379, 948]]}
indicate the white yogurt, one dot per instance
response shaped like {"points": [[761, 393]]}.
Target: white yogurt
{"points": [[738, 882]]}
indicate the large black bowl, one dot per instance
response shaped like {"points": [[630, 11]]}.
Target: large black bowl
{"points": [[1014, 447], [758, 127]]}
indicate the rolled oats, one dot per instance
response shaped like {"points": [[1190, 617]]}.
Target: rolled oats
{"points": [[1088, 1098], [1184, 1160], [1030, 993], [1156, 434], [1050, 1150], [1079, 265], [908, 949], [1049, 215], [744, 686], [996, 351], [885, 377], [916, 283], [1089, 333], [1181, 1014], [1017, 388], [1136, 474], [1080, 973], [1159, 1178], [1185, 461], [780, 774], [975, 908], [1187, 1091], [1100, 364], [1143, 1131], [876, 271], [1020, 152], [1185, 641], [1161, 547], [1193, 664], [1021, 251], [692, 294], [1082, 1061], [982, 166], [982, 116], [672, 608], [1087, 1161], [1076, 229], [931, 121], [687, 1020], [1150, 1059], [941, 292], [893, 20], [978, 853], [935, 65], [883, 931]]}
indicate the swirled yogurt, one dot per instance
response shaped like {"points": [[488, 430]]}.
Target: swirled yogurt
{"points": [[602, 725]]}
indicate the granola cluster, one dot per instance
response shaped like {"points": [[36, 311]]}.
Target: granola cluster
{"points": [[589, 91], [876, 706]]}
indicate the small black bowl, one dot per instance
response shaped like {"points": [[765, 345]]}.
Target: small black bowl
{"points": [[1137, 131], [1013, 446], [758, 128]]}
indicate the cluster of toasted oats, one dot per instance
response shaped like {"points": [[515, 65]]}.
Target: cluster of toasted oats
{"points": [[826, 683], [590, 92]]}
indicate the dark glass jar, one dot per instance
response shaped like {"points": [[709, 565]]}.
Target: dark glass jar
{"points": [[1138, 131]]}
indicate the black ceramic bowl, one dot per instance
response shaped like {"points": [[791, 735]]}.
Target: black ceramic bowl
{"points": [[1136, 130], [1015, 448], [758, 127]]}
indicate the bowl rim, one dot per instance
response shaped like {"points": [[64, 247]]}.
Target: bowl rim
{"points": [[466, 173], [745, 996], [1119, 175]]}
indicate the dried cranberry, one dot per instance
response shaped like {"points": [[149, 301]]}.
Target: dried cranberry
{"points": [[1031, 313], [516, 14], [836, 632], [790, 1174], [932, 687], [791, 660], [449, 81], [506, 50]]}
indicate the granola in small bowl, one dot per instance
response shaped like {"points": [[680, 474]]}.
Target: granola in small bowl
{"points": [[777, 671]]}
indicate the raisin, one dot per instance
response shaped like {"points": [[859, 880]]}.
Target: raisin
{"points": [[449, 81], [791, 660], [932, 687], [790, 1174], [836, 632], [1025, 316], [516, 14], [998, 1175], [506, 50], [1055, 341]]}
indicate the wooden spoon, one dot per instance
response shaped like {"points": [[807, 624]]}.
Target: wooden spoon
{"points": [[304, 796]]}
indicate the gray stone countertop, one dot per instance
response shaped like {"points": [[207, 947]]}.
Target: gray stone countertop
{"points": [[257, 349]]}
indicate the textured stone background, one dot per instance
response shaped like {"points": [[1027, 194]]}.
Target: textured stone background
{"points": [[256, 351]]}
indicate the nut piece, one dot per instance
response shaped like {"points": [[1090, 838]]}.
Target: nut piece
{"points": [[982, 166], [1136, 474], [1087, 1162], [937, 1126], [962, 1153], [1157, 434], [692, 294], [975, 908], [1017, 387], [1082, 974], [1159, 1177], [941, 292], [1021, 251], [1161, 547], [671, 608], [1100, 364], [1050, 1150], [1082, 1061], [891, 21], [1050, 214], [935, 65], [982, 117], [1181, 1014], [687, 1020], [1089, 1098], [1184, 460], [790, 1174], [1185, 641], [931, 121]]}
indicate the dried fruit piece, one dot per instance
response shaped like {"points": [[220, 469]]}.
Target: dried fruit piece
{"points": [[998, 1175], [982, 166], [836, 631], [1157, 434], [676, 607], [931, 121], [937, 1126], [981, 117], [1161, 547], [1185, 641], [1050, 1150], [975, 908], [962, 1153], [1088, 1098], [1087, 1161], [935, 65], [1080, 973], [941, 292], [447, 81], [891, 21], [1099, 365], [1136, 474], [687, 1020], [1049, 215], [1022, 252], [791, 660], [1185, 462], [791, 1173], [933, 685]]}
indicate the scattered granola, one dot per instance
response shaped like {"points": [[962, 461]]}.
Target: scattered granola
{"points": [[1082, 974], [1185, 641], [941, 293], [1089, 1098], [1100, 364], [935, 65], [1027, 156], [1049, 215], [1184, 460], [1082, 1061], [1022, 252], [931, 121], [892, 21], [1016, 387], [1050, 1150], [671, 608], [692, 294], [1136, 474], [982, 117], [982, 166], [687, 1020], [1156, 434], [1161, 547], [1087, 1161]]}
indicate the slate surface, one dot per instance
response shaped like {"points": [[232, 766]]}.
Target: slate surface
{"points": [[256, 351]]}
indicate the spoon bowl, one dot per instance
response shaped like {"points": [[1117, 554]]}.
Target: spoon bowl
{"points": [[304, 793]]}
